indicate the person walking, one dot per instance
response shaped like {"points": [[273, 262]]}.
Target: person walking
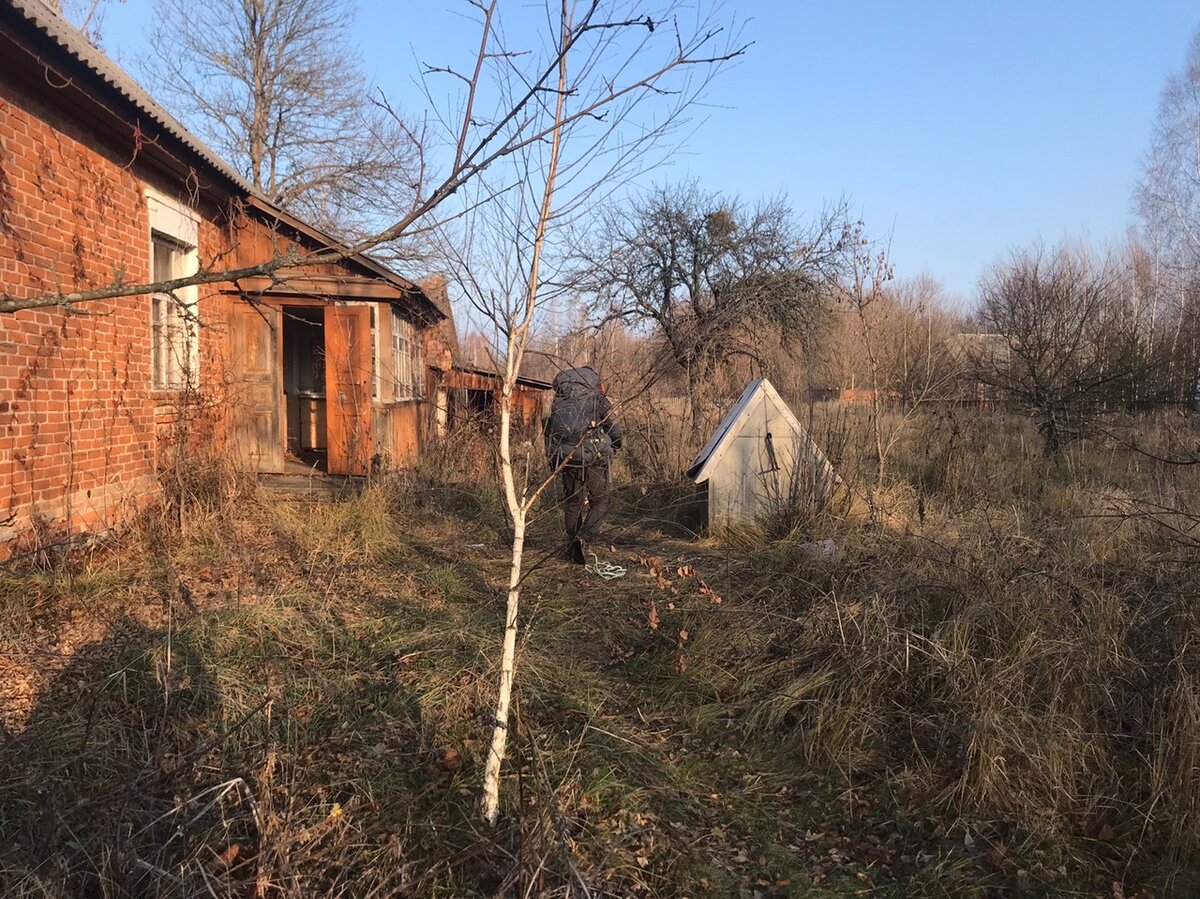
{"points": [[582, 434]]}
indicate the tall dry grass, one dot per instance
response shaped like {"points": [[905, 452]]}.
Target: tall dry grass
{"points": [[997, 666], [1011, 641]]}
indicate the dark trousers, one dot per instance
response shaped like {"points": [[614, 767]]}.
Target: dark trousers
{"points": [[590, 483]]}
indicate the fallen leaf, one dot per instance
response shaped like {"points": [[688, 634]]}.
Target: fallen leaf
{"points": [[706, 590], [653, 616]]}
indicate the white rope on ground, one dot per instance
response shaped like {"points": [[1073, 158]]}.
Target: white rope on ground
{"points": [[604, 570]]}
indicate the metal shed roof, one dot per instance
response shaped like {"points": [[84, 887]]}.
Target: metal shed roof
{"points": [[727, 430]]}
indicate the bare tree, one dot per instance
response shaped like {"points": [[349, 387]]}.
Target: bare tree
{"points": [[623, 79], [1168, 195], [870, 271], [274, 86], [712, 276], [897, 345], [917, 325], [1167, 198], [1065, 353], [86, 15], [600, 64], [478, 144]]}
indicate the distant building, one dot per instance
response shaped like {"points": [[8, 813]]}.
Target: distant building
{"points": [[972, 354], [472, 394]]}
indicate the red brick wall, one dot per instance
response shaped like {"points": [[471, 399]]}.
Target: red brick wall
{"points": [[82, 432], [81, 429], [75, 409]]}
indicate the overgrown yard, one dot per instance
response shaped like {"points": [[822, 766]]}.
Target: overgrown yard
{"points": [[992, 688]]}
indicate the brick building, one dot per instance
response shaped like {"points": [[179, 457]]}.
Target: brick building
{"points": [[99, 185]]}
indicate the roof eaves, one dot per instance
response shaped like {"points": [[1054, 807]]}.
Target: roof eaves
{"points": [[492, 373], [75, 44], [371, 264], [73, 41]]}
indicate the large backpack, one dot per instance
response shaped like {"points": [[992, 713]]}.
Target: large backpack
{"points": [[574, 435]]}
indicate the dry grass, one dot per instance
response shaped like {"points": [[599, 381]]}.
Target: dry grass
{"points": [[991, 689]]}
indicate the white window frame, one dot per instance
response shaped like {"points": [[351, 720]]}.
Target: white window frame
{"points": [[177, 224], [408, 363]]}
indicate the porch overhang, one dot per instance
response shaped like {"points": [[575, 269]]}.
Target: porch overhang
{"points": [[320, 287]]}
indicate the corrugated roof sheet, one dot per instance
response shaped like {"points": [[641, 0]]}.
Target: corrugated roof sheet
{"points": [[72, 40], [76, 44]]}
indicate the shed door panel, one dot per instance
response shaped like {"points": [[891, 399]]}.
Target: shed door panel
{"points": [[256, 437], [349, 351]]}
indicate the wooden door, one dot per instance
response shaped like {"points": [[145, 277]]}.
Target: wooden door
{"points": [[349, 351], [256, 433]]}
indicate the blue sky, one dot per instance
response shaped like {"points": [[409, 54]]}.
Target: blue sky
{"points": [[963, 129]]}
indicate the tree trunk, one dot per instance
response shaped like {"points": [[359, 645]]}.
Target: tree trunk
{"points": [[508, 664], [520, 503], [1051, 440], [696, 406], [508, 653]]}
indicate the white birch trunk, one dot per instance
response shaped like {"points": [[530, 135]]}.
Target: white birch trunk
{"points": [[520, 503], [508, 654]]}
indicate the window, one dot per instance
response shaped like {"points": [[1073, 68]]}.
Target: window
{"points": [[174, 335], [172, 320], [408, 367]]}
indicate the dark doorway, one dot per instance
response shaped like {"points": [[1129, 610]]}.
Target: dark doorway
{"points": [[480, 403], [304, 387]]}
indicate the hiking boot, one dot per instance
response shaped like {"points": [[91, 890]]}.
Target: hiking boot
{"points": [[575, 552]]}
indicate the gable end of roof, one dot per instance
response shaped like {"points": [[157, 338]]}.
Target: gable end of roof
{"points": [[701, 468]]}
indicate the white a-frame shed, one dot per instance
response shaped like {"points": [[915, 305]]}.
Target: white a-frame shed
{"points": [[760, 459]]}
